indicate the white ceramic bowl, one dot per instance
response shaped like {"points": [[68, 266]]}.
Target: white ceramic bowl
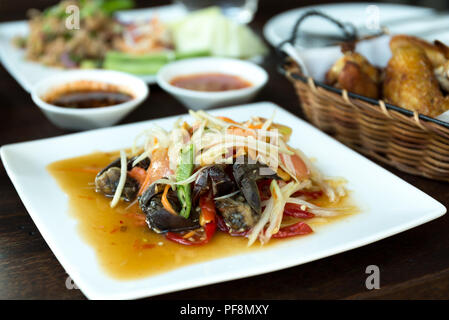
{"points": [[249, 71], [89, 118]]}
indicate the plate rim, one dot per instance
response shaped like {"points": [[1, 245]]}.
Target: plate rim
{"points": [[91, 293]]}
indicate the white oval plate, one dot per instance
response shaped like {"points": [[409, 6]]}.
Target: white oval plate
{"points": [[398, 18], [389, 206]]}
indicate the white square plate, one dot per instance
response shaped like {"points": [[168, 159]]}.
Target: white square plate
{"points": [[27, 73], [389, 206]]}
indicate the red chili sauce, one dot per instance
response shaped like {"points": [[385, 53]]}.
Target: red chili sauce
{"points": [[210, 82]]}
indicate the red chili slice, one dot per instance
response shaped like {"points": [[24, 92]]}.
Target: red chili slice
{"points": [[297, 229], [308, 194], [294, 210], [207, 209], [209, 230], [264, 189]]}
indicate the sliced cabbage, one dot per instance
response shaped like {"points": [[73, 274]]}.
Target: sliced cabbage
{"points": [[209, 30]]}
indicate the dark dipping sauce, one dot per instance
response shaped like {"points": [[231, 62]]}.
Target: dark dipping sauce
{"points": [[87, 94], [212, 82], [90, 99]]}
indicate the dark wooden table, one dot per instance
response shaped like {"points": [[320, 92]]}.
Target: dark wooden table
{"points": [[413, 264]]}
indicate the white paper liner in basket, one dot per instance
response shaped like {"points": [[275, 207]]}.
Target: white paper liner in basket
{"points": [[315, 62]]}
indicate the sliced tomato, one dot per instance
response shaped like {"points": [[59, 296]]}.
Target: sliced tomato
{"points": [[160, 164], [138, 174], [226, 119], [159, 168], [207, 209], [301, 170], [240, 132]]}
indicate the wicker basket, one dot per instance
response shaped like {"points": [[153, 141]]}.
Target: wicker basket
{"points": [[404, 139], [410, 142]]}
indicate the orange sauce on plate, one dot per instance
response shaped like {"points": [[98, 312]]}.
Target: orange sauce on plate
{"points": [[126, 248]]}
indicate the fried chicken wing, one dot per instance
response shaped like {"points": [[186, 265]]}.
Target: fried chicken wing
{"points": [[410, 81], [354, 73], [353, 79], [437, 53]]}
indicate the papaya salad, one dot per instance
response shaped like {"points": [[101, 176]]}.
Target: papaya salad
{"points": [[219, 175], [91, 34]]}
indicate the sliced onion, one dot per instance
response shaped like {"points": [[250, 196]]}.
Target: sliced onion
{"points": [[323, 212], [221, 124], [136, 139], [171, 180], [227, 195], [218, 150], [255, 231], [174, 148], [268, 123], [122, 180], [192, 178], [279, 203], [142, 156], [317, 177], [277, 212]]}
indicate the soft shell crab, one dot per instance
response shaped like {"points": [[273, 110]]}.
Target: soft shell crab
{"points": [[233, 187]]}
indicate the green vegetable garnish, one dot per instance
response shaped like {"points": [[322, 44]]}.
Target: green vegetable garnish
{"points": [[184, 170], [145, 64], [163, 56], [137, 64], [89, 7], [57, 11], [133, 67], [46, 28], [110, 6], [191, 54]]}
